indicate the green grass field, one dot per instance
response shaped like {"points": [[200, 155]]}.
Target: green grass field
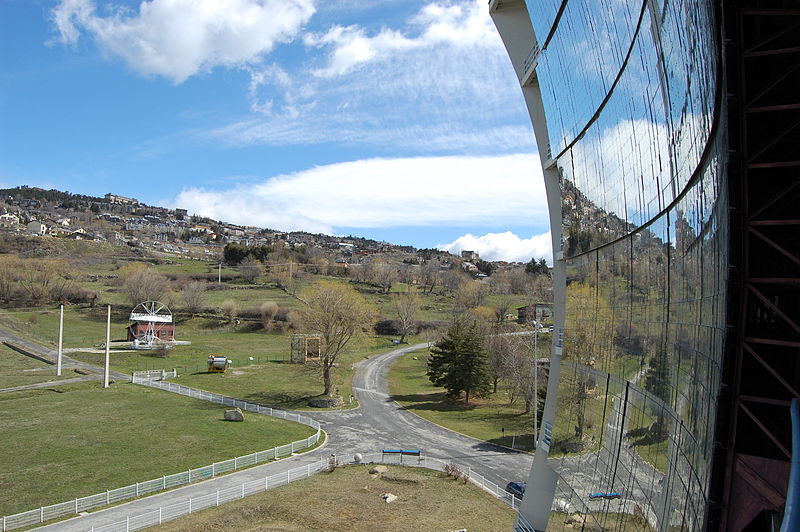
{"points": [[268, 378], [81, 439], [349, 498], [19, 370], [484, 418]]}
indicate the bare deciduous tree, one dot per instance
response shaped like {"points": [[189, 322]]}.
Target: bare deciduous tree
{"points": [[144, 283], [338, 314], [194, 297], [504, 305], [469, 294], [10, 273], [406, 305], [429, 276], [44, 279], [250, 269], [229, 310], [500, 348], [382, 274], [267, 311]]}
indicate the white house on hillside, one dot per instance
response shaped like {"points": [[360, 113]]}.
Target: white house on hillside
{"points": [[37, 228]]}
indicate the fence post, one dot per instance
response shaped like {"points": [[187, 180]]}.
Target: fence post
{"points": [[127, 523], [137, 489], [190, 506], [76, 505], [217, 497], [235, 464], [287, 477], [189, 476], [108, 497], [214, 469], [41, 514], [308, 470], [164, 482], [242, 490], [159, 515]]}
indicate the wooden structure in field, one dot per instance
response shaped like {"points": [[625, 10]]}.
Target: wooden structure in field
{"points": [[305, 347]]}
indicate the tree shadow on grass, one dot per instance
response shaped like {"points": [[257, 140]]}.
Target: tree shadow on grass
{"points": [[282, 400], [436, 401], [645, 436]]}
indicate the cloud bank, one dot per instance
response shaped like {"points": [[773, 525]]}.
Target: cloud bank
{"points": [[380, 193], [503, 246]]}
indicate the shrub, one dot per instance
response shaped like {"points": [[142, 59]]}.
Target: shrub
{"points": [[229, 309], [268, 309]]}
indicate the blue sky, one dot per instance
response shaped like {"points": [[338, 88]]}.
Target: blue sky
{"points": [[394, 120]]}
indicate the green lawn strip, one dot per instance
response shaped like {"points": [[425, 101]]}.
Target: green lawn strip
{"points": [[279, 383], [484, 418], [651, 449], [80, 439], [19, 370], [349, 498], [251, 297]]}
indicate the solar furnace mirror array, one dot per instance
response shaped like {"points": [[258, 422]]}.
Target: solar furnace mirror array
{"points": [[624, 99]]}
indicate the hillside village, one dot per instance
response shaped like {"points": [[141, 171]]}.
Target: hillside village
{"points": [[124, 221]]}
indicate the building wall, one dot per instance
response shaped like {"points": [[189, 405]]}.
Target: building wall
{"points": [[624, 101]]}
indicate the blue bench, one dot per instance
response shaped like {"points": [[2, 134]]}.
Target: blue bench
{"points": [[402, 452]]}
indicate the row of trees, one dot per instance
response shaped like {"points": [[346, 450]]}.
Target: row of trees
{"points": [[471, 360]]}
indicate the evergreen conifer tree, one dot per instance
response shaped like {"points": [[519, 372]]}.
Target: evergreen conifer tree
{"points": [[458, 362]]}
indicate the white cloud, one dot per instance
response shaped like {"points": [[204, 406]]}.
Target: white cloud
{"points": [[452, 25], [380, 193], [504, 246], [440, 83], [179, 38]]}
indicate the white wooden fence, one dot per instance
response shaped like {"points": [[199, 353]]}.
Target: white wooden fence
{"points": [[82, 504], [216, 497]]}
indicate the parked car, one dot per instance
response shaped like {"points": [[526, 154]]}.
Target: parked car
{"points": [[516, 488]]}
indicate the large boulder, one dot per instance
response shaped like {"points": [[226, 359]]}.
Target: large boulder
{"points": [[234, 415], [378, 470]]}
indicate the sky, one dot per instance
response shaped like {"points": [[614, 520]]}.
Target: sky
{"points": [[398, 120]]}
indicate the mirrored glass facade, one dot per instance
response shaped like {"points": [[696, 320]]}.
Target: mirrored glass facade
{"points": [[624, 98]]}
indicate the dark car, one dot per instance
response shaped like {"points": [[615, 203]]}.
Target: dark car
{"points": [[516, 488]]}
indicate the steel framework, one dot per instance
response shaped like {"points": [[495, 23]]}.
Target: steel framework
{"points": [[762, 368]]}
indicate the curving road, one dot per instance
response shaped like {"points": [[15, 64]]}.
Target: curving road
{"points": [[378, 423]]}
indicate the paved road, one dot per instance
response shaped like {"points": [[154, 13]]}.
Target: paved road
{"points": [[381, 423], [50, 384], [67, 363], [378, 423]]}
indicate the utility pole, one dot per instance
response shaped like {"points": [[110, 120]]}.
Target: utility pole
{"points": [[60, 338], [108, 341]]}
